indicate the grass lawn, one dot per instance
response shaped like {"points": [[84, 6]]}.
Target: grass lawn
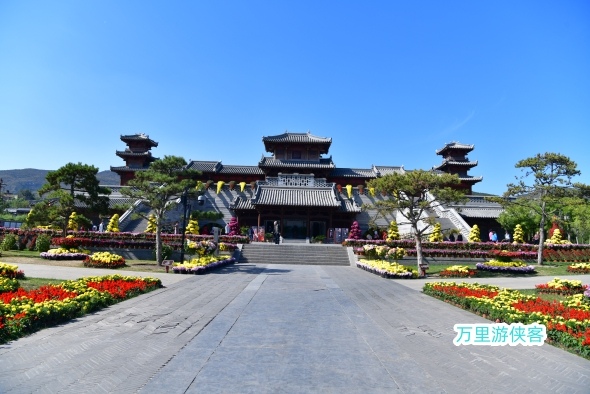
{"points": [[34, 283]]}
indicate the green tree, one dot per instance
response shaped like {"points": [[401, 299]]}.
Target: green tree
{"points": [[159, 187], [546, 182], [26, 194], [66, 187], [520, 212], [410, 194]]}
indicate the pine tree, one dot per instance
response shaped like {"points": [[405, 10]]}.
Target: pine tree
{"points": [[392, 231], [474, 234]]}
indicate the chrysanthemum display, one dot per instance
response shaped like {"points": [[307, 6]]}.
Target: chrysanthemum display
{"points": [[23, 312], [104, 260]]}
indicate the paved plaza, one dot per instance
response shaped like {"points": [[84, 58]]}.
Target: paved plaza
{"points": [[252, 328]]}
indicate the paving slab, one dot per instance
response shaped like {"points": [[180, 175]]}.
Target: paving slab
{"points": [[282, 328]]}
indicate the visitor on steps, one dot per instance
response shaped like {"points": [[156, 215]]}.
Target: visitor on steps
{"points": [[276, 232]]}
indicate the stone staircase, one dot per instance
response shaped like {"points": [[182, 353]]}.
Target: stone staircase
{"points": [[295, 253]]}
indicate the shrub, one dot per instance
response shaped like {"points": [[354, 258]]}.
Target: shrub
{"points": [[43, 243], [166, 252], [9, 242]]}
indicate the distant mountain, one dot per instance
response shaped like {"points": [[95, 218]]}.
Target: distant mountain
{"points": [[14, 181]]}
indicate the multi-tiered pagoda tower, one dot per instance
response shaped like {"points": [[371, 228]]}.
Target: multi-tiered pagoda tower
{"points": [[455, 162], [137, 156]]}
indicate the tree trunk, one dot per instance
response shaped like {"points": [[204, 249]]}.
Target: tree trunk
{"points": [[419, 258], [159, 241], [541, 235]]}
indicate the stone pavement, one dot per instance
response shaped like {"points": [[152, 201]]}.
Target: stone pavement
{"points": [[280, 328]]}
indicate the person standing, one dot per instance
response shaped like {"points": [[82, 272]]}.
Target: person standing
{"points": [[494, 236], [506, 236], [101, 227], [276, 232]]}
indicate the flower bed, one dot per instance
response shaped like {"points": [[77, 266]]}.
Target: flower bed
{"points": [[23, 312], [104, 260], [458, 271], [387, 269], [11, 271], [516, 267], [492, 250], [567, 322], [63, 254], [201, 265], [563, 287], [579, 268], [8, 284]]}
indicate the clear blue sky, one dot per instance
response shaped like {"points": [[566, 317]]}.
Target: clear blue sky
{"points": [[389, 81]]}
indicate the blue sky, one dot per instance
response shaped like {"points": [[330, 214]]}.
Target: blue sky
{"points": [[389, 81]]}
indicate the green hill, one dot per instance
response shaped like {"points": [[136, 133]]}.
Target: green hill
{"points": [[32, 179]]}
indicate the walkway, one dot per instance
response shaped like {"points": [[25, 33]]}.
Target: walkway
{"points": [[287, 328]]}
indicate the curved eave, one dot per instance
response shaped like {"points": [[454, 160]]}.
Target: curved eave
{"points": [[127, 169], [471, 179], [322, 143], [446, 164], [139, 137], [454, 146], [267, 162]]}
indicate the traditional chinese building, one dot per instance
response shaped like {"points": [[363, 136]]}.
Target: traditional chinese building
{"points": [[137, 156], [455, 162], [298, 184]]}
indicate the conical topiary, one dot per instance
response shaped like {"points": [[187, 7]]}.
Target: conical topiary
{"points": [[192, 227], [436, 235], [151, 225], [393, 231], [518, 236], [73, 222], [474, 235], [355, 231], [114, 224], [234, 227]]}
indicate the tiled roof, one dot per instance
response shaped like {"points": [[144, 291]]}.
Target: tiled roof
{"points": [[473, 179], [272, 162], [353, 172], [304, 196], [479, 207], [481, 212], [446, 163], [455, 146], [204, 166], [388, 170], [231, 169], [138, 137], [127, 153], [241, 203], [300, 138], [349, 206], [218, 167], [127, 169]]}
